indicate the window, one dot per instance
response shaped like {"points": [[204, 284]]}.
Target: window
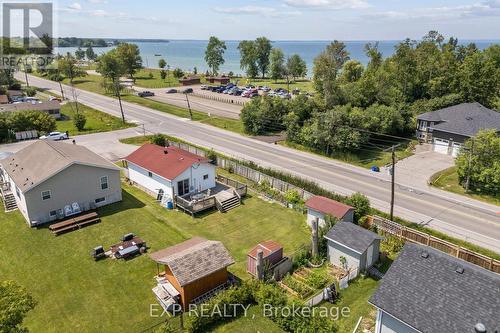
{"points": [[18, 193], [150, 174], [205, 177], [45, 195], [53, 213], [100, 200], [104, 183], [183, 187]]}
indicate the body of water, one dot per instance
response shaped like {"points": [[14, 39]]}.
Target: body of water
{"points": [[187, 54]]}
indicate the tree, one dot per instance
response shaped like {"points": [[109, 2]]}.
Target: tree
{"points": [[163, 74], [79, 121], [352, 71], [326, 70], [162, 63], [79, 54], [277, 67], [263, 51], [214, 54], [159, 140], [296, 66], [361, 205], [69, 68], [264, 115], [248, 58], [15, 303], [130, 57], [111, 68], [178, 73], [478, 163], [91, 55]]}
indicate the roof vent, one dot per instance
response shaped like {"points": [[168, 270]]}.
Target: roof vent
{"points": [[424, 255], [479, 328], [165, 151], [459, 270], [469, 118]]}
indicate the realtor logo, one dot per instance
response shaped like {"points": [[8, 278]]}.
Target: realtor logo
{"points": [[27, 29]]}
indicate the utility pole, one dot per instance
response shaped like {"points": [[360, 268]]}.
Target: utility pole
{"points": [[189, 107], [26, 73], [393, 176], [117, 86], [469, 164]]}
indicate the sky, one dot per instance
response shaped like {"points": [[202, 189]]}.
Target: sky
{"points": [[278, 19]]}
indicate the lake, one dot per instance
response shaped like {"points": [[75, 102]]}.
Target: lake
{"points": [[187, 54]]}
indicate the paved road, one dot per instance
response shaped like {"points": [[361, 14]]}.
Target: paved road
{"points": [[471, 220]]}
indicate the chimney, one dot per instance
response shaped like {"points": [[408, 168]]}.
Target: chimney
{"points": [[259, 266], [315, 251]]}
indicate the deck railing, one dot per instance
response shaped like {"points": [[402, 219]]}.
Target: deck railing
{"points": [[194, 207], [240, 188]]}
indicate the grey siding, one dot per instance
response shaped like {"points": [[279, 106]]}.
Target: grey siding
{"points": [[335, 251], [449, 136], [77, 183], [389, 324], [375, 247]]}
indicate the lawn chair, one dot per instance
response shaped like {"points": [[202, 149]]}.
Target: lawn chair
{"points": [[98, 253]]}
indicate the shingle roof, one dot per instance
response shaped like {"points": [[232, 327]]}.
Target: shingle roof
{"points": [[25, 106], [41, 160], [465, 119], [194, 259], [267, 248], [167, 165], [352, 236], [328, 206], [431, 296]]}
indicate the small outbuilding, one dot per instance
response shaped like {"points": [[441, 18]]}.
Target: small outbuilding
{"points": [[319, 207], [189, 81], [4, 99], [194, 270], [269, 252], [352, 247], [219, 79]]}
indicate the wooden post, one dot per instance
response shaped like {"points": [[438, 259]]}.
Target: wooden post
{"points": [[315, 251]]}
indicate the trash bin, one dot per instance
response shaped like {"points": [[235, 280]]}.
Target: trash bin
{"points": [[170, 205]]}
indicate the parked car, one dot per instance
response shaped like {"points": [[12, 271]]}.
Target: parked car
{"points": [[187, 91], [53, 98], [171, 91], [146, 93], [266, 89], [54, 136], [204, 87]]}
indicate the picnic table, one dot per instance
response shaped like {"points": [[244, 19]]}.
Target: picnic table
{"points": [[127, 248], [73, 223]]}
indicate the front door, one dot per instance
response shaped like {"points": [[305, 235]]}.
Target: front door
{"points": [[183, 187]]}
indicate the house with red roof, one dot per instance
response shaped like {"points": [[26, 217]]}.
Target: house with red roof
{"points": [[319, 207], [167, 172]]}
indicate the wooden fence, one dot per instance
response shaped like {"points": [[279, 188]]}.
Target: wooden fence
{"points": [[220, 98], [415, 236], [247, 172]]}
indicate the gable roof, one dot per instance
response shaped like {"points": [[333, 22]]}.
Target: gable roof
{"points": [[267, 247], [431, 296], [352, 236], [167, 165], [43, 159], [194, 259], [328, 206], [25, 106], [465, 119]]}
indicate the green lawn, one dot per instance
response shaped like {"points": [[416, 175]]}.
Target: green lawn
{"points": [[303, 85], [74, 293], [144, 79], [97, 121], [448, 180], [363, 158]]}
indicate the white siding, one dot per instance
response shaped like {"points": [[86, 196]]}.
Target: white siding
{"points": [[313, 214], [195, 176], [389, 324], [152, 184]]}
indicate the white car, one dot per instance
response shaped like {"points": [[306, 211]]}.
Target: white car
{"points": [[53, 136]]}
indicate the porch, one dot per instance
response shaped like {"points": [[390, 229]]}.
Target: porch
{"points": [[225, 196]]}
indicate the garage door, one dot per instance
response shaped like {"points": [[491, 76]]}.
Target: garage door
{"points": [[441, 146], [456, 149]]}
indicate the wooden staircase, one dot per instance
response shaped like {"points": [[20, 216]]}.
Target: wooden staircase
{"points": [[9, 202], [227, 200], [230, 203]]}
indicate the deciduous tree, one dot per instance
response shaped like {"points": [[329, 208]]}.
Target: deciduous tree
{"points": [[214, 54]]}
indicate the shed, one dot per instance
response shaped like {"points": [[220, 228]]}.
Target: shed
{"points": [[219, 79], [195, 268], [319, 207], [272, 253], [359, 246], [4, 99], [189, 81]]}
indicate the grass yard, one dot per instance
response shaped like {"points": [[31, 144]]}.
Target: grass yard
{"points": [[74, 293], [362, 158], [97, 121], [448, 180], [143, 79]]}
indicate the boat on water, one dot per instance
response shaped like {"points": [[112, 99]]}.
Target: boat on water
{"points": [[157, 55]]}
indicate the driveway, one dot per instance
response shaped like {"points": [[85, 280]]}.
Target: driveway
{"points": [[416, 170]]}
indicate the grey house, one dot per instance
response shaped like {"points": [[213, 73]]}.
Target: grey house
{"points": [[448, 128], [426, 290], [359, 247], [52, 180], [50, 107]]}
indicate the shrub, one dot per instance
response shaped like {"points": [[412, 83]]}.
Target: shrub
{"points": [[159, 140], [361, 204], [79, 121], [293, 197], [317, 279], [30, 91], [212, 156], [163, 74]]}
